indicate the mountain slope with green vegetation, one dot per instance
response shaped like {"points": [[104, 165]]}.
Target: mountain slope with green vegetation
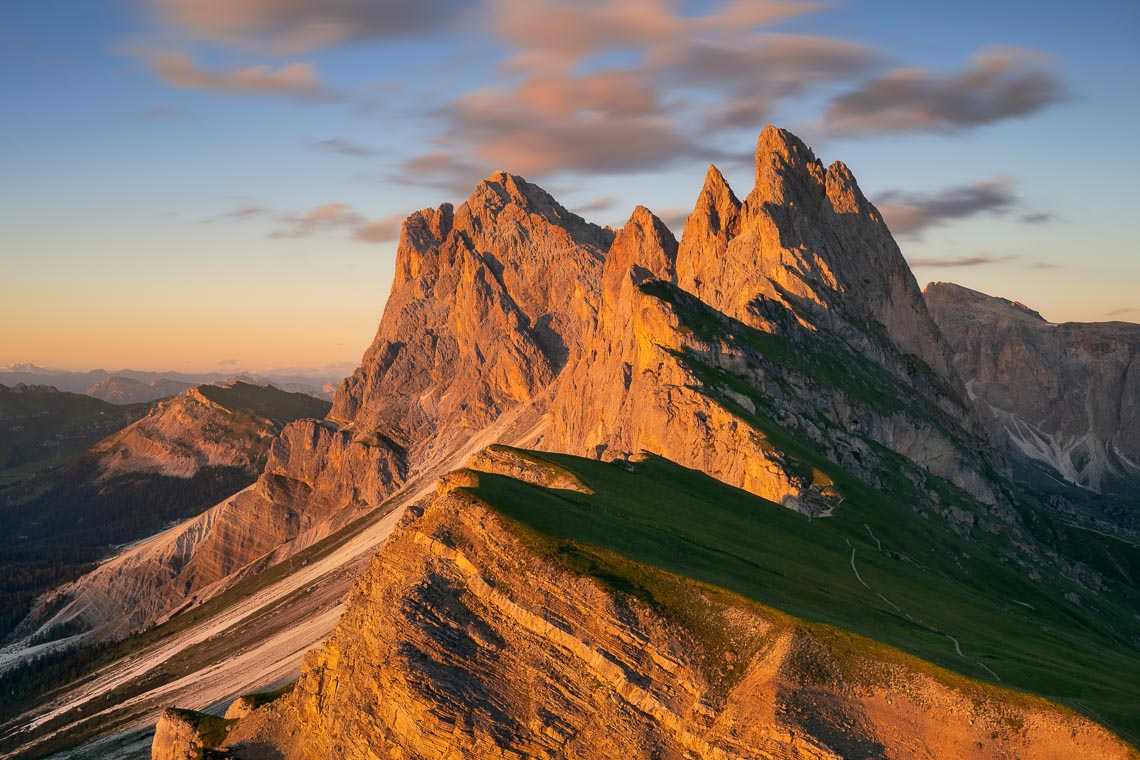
{"points": [[876, 567]]}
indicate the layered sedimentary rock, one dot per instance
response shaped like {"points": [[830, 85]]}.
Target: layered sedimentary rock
{"points": [[1067, 395], [461, 641], [487, 305], [204, 427], [798, 300]]}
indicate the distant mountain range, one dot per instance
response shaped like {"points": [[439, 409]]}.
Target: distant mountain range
{"points": [[129, 386]]}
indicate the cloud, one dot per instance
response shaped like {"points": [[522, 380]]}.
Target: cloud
{"points": [[164, 112], [343, 147], [380, 231], [241, 212], [291, 26], [560, 32], [596, 206], [338, 216], [1037, 218], [911, 214], [1119, 312], [509, 130], [294, 80], [753, 73], [593, 87], [445, 170], [998, 83], [228, 362], [960, 261], [674, 218]]}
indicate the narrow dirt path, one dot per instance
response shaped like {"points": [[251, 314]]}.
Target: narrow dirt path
{"points": [[932, 629]]}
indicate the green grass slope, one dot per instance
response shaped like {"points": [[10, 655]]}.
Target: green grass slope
{"points": [[876, 567], [265, 401]]}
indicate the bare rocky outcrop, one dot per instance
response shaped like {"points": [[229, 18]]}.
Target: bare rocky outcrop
{"points": [[201, 427], [462, 641], [794, 307], [486, 307], [1066, 395], [187, 734], [759, 303]]}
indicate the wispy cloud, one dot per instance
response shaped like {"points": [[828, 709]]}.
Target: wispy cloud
{"points": [[998, 83], [333, 217], [1121, 312], [247, 211], [596, 206], [295, 80], [163, 111], [291, 26], [980, 259], [344, 147], [910, 214]]}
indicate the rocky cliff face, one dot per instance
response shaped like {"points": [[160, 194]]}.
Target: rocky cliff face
{"points": [[202, 427], [462, 641], [1066, 395], [486, 307], [795, 305]]}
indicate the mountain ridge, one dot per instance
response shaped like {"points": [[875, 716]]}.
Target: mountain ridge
{"points": [[781, 347]]}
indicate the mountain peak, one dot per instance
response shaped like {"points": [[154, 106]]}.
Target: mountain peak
{"points": [[646, 245], [503, 188], [786, 169]]}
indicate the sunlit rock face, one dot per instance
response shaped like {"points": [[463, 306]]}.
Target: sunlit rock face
{"points": [[460, 641], [487, 306], [513, 320], [804, 259], [1066, 395]]}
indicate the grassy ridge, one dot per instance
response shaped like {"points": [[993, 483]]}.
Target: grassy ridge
{"points": [[935, 584], [265, 401]]}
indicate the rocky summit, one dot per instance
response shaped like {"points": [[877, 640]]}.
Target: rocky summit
{"points": [[745, 494], [1065, 395]]}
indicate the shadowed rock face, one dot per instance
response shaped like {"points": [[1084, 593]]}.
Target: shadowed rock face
{"points": [[1067, 395]]}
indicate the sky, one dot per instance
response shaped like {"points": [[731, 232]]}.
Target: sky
{"points": [[206, 184]]}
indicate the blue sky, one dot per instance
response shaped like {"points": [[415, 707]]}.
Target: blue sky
{"points": [[188, 182]]}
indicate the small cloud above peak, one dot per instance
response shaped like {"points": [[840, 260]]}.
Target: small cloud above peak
{"points": [[980, 259], [343, 147], [299, 81], [998, 83]]}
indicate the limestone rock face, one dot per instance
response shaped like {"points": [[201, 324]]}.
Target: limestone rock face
{"points": [[191, 431], [460, 642], [631, 392], [753, 300], [487, 304], [793, 308], [186, 735], [808, 238], [1066, 395]]}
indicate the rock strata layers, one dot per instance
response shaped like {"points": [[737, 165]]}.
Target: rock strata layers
{"points": [[1066, 395], [460, 641]]}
